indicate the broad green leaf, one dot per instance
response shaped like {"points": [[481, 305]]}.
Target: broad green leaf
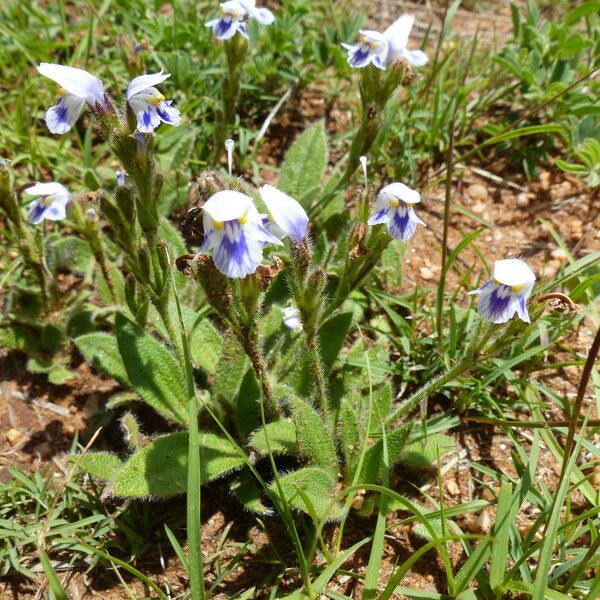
{"points": [[332, 336], [247, 403], [305, 163], [231, 369], [350, 434], [101, 351], [425, 451], [103, 465], [159, 469], [281, 438], [314, 441], [152, 370], [68, 254], [205, 345], [318, 485]]}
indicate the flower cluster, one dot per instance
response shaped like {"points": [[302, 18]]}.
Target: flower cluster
{"points": [[383, 49], [234, 15], [50, 203], [236, 233], [78, 87]]}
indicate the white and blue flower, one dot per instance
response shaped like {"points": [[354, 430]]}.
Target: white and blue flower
{"points": [[149, 105], [507, 292], [234, 233], [51, 202], [372, 48], [234, 14], [394, 207], [286, 217], [77, 87], [382, 49]]}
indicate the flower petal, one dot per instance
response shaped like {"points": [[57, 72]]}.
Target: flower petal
{"points": [[287, 213], [513, 271], [402, 222], [263, 15], [380, 216], [63, 115], [235, 253], [168, 114], [397, 34], [75, 81], [143, 82], [47, 189], [417, 58], [496, 303], [401, 192], [148, 119], [228, 205]]}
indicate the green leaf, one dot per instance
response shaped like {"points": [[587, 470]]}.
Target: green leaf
{"points": [[102, 352], [205, 345], [349, 433], [314, 441], [587, 8], [373, 461], [231, 369], [425, 451], [59, 375], [332, 336], [318, 485], [159, 469], [152, 370], [103, 465], [305, 163], [68, 254], [247, 413], [281, 435]]}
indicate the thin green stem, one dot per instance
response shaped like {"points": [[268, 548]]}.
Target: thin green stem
{"points": [[193, 508]]}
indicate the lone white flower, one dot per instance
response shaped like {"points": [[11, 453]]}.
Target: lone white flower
{"points": [[148, 104], [286, 217], [394, 208], [51, 202], [291, 318], [76, 88], [382, 49], [507, 292], [234, 233], [234, 14]]}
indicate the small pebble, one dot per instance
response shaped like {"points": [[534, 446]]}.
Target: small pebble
{"points": [[558, 254], [453, 487], [426, 273], [477, 192], [13, 436], [478, 208], [522, 200]]}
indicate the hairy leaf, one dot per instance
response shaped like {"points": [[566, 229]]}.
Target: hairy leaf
{"points": [[230, 371], [304, 164], [314, 441], [281, 436], [205, 345], [103, 465], [152, 370], [102, 352], [319, 487], [159, 469]]}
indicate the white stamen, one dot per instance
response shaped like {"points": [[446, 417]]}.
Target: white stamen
{"points": [[229, 146]]}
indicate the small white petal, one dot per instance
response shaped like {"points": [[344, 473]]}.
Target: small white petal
{"points": [[512, 272], [416, 58], [287, 213], [168, 114], [263, 15], [143, 82], [75, 81], [63, 115], [228, 205], [402, 192], [291, 318], [47, 189], [397, 34]]}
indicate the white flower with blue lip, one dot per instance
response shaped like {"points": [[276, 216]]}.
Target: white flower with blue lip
{"points": [[372, 48], [286, 217], [234, 14], [382, 49], [76, 88], [51, 202], [148, 104], [394, 207], [507, 292], [234, 232]]}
